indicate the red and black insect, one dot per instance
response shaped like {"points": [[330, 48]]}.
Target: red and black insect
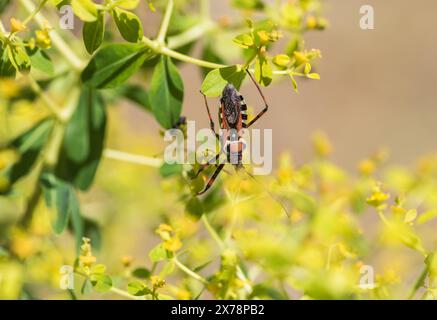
{"points": [[232, 119]]}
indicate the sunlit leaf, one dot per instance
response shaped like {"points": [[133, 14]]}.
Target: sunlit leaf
{"points": [[217, 79], [263, 71], [86, 10], [128, 24], [101, 282], [158, 253]]}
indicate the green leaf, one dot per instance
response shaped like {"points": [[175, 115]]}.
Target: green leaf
{"points": [[307, 68], [128, 24], [19, 58], [314, 76], [197, 184], [137, 94], [40, 60], [92, 231], [303, 202], [101, 282], [128, 4], [6, 67], [78, 227], [294, 82], [86, 10], [113, 64], [217, 79], [60, 198], [77, 133], [158, 253], [168, 170], [28, 145], [166, 93], [263, 71], [98, 269], [138, 289], [83, 141], [141, 273], [86, 287], [426, 216], [194, 207], [245, 40], [93, 32], [202, 266]]}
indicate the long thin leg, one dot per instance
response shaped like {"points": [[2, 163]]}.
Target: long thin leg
{"points": [[266, 106], [209, 163], [211, 122], [211, 181]]}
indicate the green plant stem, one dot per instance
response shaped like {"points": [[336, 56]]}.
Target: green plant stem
{"points": [[132, 158], [419, 282], [191, 34], [161, 49], [57, 40], [33, 14], [189, 272], [45, 98], [221, 244], [165, 22], [213, 233], [125, 294]]}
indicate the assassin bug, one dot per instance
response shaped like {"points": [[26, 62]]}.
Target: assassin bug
{"points": [[233, 119]]}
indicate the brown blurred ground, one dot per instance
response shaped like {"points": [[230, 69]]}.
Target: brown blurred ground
{"points": [[377, 87]]}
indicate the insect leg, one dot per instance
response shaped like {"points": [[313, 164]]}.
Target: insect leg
{"points": [[209, 163], [266, 106], [211, 122], [212, 179]]}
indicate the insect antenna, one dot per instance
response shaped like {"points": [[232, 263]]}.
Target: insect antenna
{"points": [[267, 191]]}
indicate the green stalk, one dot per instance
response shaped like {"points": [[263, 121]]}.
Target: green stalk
{"points": [[165, 22], [161, 49], [419, 282], [132, 158], [189, 272]]}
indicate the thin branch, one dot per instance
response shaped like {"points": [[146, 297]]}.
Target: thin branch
{"points": [[161, 49], [45, 98], [222, 246], [189, 272], [165, 22], [191, 34], [419, 282], [132, 158], [34, 13], [125, 294]]}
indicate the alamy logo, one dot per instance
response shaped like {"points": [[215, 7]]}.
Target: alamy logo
{"points": [[367, 279], [67, 277], [66, 20], [367, 21]]}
